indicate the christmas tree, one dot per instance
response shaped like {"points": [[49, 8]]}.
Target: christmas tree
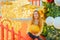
{"points": [[52, 10]]}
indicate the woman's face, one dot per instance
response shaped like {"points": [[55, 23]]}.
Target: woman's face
{"points": [[35, 15]]}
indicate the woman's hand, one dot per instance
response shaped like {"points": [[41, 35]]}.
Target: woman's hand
{"points": [[38, 35], [35, 39]]}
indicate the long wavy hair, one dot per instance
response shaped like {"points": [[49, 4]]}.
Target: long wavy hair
{"points": [[39, 18]]}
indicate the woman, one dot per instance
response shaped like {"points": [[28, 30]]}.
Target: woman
{"points": [[37, 24]]}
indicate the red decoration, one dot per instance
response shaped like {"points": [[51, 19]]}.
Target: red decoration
{"points": [[42, 37], [50, 1]]}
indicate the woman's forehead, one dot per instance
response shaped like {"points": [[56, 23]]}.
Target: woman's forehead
{"points": [[35, 12]]}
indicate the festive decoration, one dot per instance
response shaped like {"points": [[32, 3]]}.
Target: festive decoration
{"points": [[51, 32], [49, 21], [57, 23], [34, 29], [22, 12], [50, 1], [41, 3], [20, 2], [57, 2]]}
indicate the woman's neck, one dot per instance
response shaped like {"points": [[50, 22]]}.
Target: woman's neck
{"points": [[36, 19]]}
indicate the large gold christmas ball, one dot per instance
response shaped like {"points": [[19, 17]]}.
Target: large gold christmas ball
{"points": [[34, 29]]}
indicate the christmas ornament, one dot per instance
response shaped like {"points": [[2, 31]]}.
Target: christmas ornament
{"points": [[50, 1], [49, 21], [34, 29], [57, 2], [57, 22]]}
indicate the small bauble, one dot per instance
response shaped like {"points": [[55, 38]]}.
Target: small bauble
{"points": [[57, 22], [50, 1], [57, 2], [34, 29], [49, 21]]}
